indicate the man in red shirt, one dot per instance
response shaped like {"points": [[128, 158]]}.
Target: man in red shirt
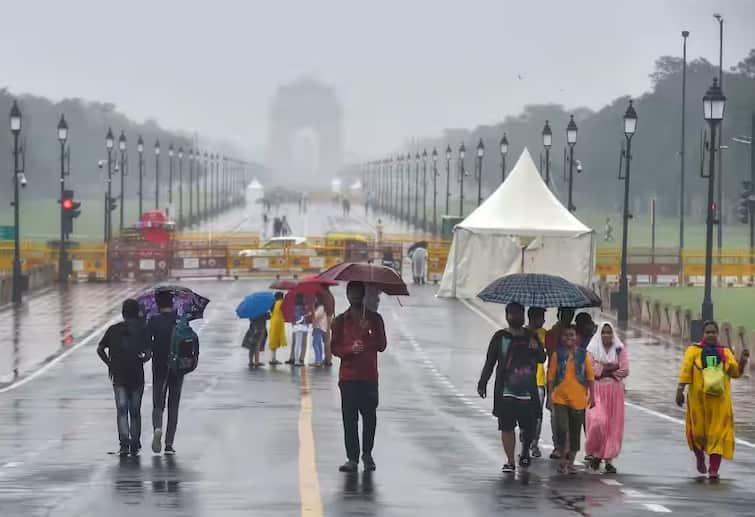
{"points": [[357, 336]]}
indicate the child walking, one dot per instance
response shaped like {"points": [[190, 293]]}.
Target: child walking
{"points": [[570, 382], [320, 328]]}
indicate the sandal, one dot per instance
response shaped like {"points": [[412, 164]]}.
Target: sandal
{"points": [[594, 463], [561, 468], [572, 470], [508, 469], [524, 461], [610, 469]]}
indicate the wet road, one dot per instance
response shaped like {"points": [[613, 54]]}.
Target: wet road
{"points": [[268, 441]]}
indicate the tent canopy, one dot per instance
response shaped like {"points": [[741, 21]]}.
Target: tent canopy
{"points": [[521, 227], [523, 205]]}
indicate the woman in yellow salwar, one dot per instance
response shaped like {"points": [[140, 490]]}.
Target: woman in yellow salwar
{"points": [[277, 337], [707, 368]]}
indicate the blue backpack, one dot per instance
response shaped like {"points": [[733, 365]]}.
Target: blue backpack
{"points": [[184, 347]]}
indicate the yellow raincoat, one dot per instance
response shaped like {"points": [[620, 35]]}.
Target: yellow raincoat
{"points": [[277, 338], [710, 419]]}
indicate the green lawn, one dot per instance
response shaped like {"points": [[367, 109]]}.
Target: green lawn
{"points": [[732, 304]]}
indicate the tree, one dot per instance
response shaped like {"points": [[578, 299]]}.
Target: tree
{"points": [[746, 67]]}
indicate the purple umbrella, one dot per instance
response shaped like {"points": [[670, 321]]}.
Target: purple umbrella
{"points": [[185, 301]]}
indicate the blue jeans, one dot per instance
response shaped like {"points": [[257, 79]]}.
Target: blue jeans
{"points": [[318, 343], [128, 405]]}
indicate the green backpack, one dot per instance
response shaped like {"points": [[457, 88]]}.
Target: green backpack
{"points": [[184, 347], [713, 374]]}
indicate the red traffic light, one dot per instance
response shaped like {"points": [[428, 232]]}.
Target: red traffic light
{"points": [[68, 204]]}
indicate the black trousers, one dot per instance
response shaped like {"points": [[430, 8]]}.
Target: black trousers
{"points": [[168, 384], [359, 397]]}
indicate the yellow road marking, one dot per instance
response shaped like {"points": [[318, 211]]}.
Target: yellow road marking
{"points": [[309, 485]]}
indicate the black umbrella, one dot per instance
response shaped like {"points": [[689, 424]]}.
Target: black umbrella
{"points": [[535, 290], [418, 244]]}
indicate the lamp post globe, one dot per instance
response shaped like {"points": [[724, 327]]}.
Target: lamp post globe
{"points": [[15, 118], [571, 131], [504, 145], [630, 120], [714, 103], [109, 141], [547, 135], [462, 151], [157, 147], [122, 142], [480, 149], [62, 129], [140, 145]]}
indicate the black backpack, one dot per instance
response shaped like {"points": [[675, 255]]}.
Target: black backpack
{"points": [[184, 347]]}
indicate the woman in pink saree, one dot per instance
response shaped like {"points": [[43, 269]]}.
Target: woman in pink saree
{"points": [[605, 421]]}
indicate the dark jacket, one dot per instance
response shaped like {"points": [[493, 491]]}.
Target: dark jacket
{"points": [[160, 328], [495, 358], [124, 348]]}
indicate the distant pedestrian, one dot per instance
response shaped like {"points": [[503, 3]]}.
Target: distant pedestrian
{"points": [[285, 228], [552, 342], [124, 349], [379, 232], [535, 322], [276, 227], [707, 368], [514, 352], [320, 329], [300, 330], [570, 381], [358, 336], [166, 381], [585, 328], [419, 265], [605, 421], [277, 338], [608, 233], [255, 338]]}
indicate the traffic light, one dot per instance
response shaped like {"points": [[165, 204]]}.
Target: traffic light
{"points": [[113, 203], [70, 211], [743, 207]]}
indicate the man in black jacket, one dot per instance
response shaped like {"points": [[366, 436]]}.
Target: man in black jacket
{"points": [[515, 353], [165, 382], [124, 349]]}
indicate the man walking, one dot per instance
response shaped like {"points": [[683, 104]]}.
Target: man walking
{"points": [[552, 343], [124, 349], [165, 381], [357, 336], [515, 354]]}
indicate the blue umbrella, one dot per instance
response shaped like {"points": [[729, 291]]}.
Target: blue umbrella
{"points": [[536, 290], [255, 305]]}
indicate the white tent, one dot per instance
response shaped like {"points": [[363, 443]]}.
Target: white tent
{"points": [[521, 226]]}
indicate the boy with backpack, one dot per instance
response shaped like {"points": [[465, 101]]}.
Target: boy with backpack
{"points": [[124, 349], [175, 352]]}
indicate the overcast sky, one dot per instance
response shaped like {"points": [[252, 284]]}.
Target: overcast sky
{"points": [[402, 68]]}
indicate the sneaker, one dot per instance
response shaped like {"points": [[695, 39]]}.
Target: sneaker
{"points": [[135, 451], [508, 468], [349, 466], [169, 450], [157, 437], [524, 461], [289, 361], [123, 451], [299, 363], [369, 463], [535, 451], [274, 363]]}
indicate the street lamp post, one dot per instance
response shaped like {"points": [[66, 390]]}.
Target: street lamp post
{"points": [[170, 179], [480, 154], [180, 187], [392, 168], [140, 150], [504, 144], [15, 128], [630, 126], [714, 103], [416, 189], [157, 174], [408, 188], [448, 178], [122, 149], [191, 186], [571, 139], [720, 178], [682, 152], [462, 152], [205, 213], [62, 258], [424, 190], [547, 142], [401, 186], [435, 191], [109, 143]]}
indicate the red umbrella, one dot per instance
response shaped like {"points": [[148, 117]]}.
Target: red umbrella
{"points": [[382, 277], [317, 279], [310, 290], [283, 285]]}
